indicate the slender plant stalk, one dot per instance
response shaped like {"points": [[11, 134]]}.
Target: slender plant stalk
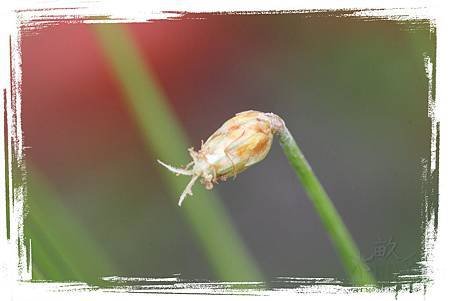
{"points": [[165, 138], [348, 252]]}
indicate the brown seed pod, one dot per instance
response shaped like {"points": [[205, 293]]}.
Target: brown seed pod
{"points": [[239, 143]]}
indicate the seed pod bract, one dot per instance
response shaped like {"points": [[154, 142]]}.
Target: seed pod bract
{"points": [[240, 142]]}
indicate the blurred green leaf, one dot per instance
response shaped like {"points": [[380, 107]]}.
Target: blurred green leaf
{"points": [[62, 249], [165, 138]]}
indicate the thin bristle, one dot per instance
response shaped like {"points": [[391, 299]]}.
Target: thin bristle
{"points": [[175, 170], [187, 190]]}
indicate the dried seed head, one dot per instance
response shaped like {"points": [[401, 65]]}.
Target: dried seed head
{"points": [[239, 143]]}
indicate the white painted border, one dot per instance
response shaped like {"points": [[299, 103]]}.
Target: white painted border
{"points": [[12, 267]]}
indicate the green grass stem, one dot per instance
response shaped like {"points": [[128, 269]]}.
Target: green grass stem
{"points": [[347, 250], [166, 140]]}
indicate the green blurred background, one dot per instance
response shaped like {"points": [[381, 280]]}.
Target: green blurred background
{"points": [[102, 102]]}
